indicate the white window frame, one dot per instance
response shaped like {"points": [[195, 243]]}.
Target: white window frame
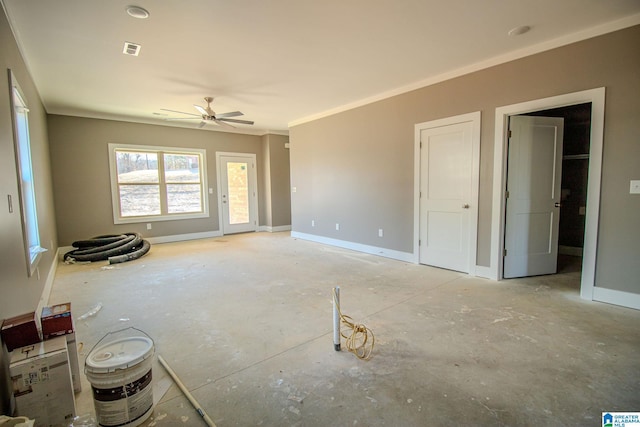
{"points": [[26, 183], [164, 215]]}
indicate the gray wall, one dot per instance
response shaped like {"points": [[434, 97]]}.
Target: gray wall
{"points": [[277, 179], [18, 292], [80, 166], [356, 167]]}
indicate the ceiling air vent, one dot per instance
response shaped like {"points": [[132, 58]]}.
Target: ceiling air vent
{"points": [[131, 49]]}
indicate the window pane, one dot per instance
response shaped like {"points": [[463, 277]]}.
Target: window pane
{"points": [[28, 188], [237, 175], [166, 183], [184, 198], [182, 168], [139, 200], [137, 167], [28, 209]]}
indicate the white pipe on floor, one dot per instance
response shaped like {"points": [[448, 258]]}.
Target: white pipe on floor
{"points": [[336, 318], [193, 401]]}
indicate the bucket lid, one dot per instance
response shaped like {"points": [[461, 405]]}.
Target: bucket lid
{"points": [[119, 354]]}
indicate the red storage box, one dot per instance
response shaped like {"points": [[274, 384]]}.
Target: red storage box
{"points": [[56, 320], [20, 331]]}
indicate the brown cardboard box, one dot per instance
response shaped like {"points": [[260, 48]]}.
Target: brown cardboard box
{"points": [[20, 331], [56, 320]]}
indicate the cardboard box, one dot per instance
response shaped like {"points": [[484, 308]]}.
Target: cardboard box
{"points": [[56, 320], [21, 331], [41, 380]]}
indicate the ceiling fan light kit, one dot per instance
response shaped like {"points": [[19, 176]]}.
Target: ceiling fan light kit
{"points": [[207, 115]]}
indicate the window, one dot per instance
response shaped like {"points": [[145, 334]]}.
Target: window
{"points": [[26, 187], [157, 183]]}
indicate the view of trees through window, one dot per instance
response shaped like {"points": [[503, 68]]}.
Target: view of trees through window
{"points": [[158, 183]]}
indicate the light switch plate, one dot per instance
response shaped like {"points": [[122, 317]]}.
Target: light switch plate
{"points": [[634, 188]]}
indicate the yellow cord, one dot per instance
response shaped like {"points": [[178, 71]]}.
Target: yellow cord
{"points": [[361, 340]]}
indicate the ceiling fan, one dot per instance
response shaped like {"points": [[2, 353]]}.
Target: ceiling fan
{"points": [[207, 115]]}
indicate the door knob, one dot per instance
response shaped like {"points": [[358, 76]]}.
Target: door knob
{"points": [[465, 206], [557, 204]]}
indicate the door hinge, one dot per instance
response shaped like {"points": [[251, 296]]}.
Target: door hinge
{"points": [[509, 134], [419, 242], [506, 195], [420, 143], [505, 252]]}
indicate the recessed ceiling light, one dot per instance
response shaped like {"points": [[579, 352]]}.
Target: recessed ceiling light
{"points": [[519, 30], [137, 12]]}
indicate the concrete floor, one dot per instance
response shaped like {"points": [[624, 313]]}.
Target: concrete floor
{"points": [[246, 322]]}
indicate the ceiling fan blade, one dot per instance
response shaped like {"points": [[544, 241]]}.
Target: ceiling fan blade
{"points": [[183, 118], [223, 124], [231, 114], [244, 122], [180, 112], [202, 110]]}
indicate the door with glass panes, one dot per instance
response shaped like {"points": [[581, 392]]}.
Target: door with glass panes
{"points": [[237, 192]]}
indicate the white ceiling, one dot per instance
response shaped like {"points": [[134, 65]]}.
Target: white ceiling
{"points": [[278, 61]]}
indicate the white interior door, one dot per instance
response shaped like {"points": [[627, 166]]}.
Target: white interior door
{"points": [[237, 187], [534, 174], [448, 208]]}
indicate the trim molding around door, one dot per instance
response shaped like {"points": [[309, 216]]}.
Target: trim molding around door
{"points": [[475, 118], [597, 99], [251, 157]]}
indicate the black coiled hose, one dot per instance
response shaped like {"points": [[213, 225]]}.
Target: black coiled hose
{"points": [[115, 248]]}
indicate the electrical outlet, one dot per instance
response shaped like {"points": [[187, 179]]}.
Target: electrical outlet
{"points": [[380, 232], [337, 226], [211, 191], [634, 187], [313, 222], [149, 226], [294, 189]]}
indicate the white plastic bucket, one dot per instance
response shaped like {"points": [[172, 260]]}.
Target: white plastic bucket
{"points": [[120, 375]]}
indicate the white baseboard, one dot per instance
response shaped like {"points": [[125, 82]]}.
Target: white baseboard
{"points": [[373, 250], [183, 237], [48, 284], [621, 298], [274, 229]]}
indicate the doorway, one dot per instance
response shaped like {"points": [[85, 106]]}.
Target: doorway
{"points": [[237, 192], [594, 97], [447, 176], [575, 169], [532, 213]]}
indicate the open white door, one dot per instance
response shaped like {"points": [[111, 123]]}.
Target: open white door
{"points": [[448, 192], [532, 218], [237, 187]]}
